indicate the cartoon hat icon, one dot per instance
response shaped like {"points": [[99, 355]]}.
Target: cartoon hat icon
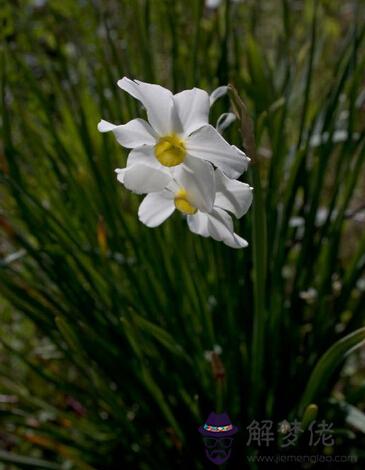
{"points": [[218, 425]]}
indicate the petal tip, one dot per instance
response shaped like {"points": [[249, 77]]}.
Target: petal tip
{"points": [[105, 126], [124, 81]]}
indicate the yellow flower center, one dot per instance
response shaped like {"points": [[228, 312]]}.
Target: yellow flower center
{"points": [[182, 202], [170, 150]]}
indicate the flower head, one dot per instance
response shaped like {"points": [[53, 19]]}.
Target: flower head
{"points": [[172, 160], [177, 134], [184, 194]]}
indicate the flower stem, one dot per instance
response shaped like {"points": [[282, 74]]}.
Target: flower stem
{"points": [[259, 242]]}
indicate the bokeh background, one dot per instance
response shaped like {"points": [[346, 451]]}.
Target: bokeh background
{"points": [[116, 340]]}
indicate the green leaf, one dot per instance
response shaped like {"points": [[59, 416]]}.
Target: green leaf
{"points": [[161, 335], [27, 462], [310, 415], [328, 364]]}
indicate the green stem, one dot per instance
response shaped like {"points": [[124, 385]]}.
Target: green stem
{"points": [[259, 242]]}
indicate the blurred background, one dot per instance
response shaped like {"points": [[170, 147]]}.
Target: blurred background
{"points": [[117, 341]]}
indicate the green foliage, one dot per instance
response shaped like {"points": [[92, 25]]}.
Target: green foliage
{"points": [[113, 370]]}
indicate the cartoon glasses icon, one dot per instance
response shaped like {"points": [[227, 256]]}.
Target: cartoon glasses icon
{"points": [[221, 442]]}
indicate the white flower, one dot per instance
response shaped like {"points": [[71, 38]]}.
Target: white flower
{"points": [[177, 135], [216, 3], [185, 194], [212, 3], [309, 295], [217, 350]]}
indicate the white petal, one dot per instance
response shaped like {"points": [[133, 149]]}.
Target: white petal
{"points": [[105, 126], [157, 101], [198, 178], [145, 155], [218, 93], [220, 227], [120, 174], [156, 208], [141, 178], [208, 144], [173, 186], [198, 223], [192, 108], [224, 121], [133, 134], [241, 154], [232, 195]]}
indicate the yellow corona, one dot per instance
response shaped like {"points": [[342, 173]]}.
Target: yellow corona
{"points": [[182, 203], [170, 150]]}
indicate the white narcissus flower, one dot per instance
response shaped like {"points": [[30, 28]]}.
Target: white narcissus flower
{"points": [[185, 194], [212, 3], [177, 135], [216, 3]]}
